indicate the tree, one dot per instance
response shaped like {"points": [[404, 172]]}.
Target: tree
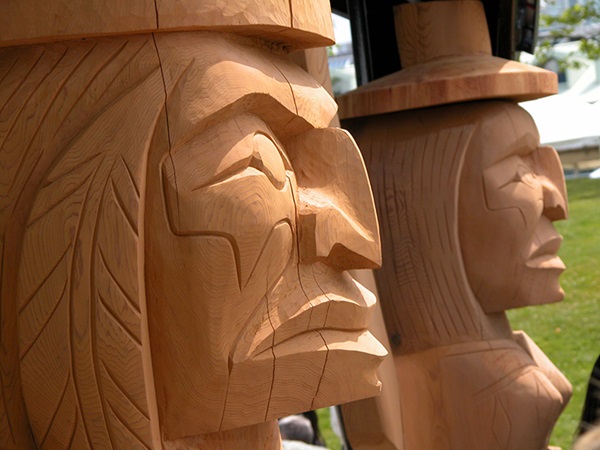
{"points": [[579, 22]]}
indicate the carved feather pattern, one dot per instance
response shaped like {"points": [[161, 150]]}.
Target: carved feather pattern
{"points": [[78, 295]]}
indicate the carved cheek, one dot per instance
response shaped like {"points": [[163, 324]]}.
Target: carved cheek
{"points": [[514, 194], [247, 209]]}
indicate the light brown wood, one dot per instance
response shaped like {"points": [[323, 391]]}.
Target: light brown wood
{"points": [[450, 182], [372, 423], [424, 31], [263, 436], [249, 155], [243, 168], [175, 242], [466, 198], [71, 175], [315, 62], [293, 24], [445, 61]]}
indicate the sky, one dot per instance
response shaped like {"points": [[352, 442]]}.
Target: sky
{"points": [[341, 29]]}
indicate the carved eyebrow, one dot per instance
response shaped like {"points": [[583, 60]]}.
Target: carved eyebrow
{"points": [[254, 161], [515, 176], [225, 149], [285, 122]]}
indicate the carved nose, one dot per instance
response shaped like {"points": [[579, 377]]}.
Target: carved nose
{"points": [[555, 204], [337, 222], [553, 183]]}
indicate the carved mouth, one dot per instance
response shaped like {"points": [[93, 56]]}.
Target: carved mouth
{"points": [[339, 315], [308, 332], [318, 300], [544, 255]]}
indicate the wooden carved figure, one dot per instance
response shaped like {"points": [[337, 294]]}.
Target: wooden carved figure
{"points": [[176, 222], [466, 197]]}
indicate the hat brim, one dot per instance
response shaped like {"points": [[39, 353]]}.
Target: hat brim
{"points": [[446, 80]]}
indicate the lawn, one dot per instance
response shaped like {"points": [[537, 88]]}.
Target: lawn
{"points": [[569, 332]]}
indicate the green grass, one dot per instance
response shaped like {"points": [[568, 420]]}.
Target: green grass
{"points": [[331, 440], [569, 332]]}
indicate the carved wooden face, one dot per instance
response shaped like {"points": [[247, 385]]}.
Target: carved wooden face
{"points": [[512, 190], [258, 211]]}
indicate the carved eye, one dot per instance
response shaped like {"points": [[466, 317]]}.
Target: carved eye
{"points": [[525, 175], [522, 174], [269, 159]]}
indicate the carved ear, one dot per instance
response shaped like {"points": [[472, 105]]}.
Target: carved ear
{"points": [[337, 221]]}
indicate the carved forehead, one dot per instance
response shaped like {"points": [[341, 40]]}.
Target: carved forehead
{"points": [[505, 129], [209, 74]]}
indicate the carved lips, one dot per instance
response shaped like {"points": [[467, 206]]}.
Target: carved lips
{"points": [[315, 297], [544, 255]]}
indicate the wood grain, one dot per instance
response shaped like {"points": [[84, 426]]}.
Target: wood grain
{"points": [[225, 224], [315, 62], [157, 291], [465, 380], [372, 423], [83, 191], [297, 24], [445, 61]]}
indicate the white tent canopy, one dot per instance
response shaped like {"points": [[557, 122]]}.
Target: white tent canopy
{"points": [[565, 122]]}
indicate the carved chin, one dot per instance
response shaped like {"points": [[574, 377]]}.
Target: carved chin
{"points": [[311, 370], [536, 284], [308, 350]]}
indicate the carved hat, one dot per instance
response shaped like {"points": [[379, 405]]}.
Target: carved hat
{"points": [[446, 57], [295, 24]]}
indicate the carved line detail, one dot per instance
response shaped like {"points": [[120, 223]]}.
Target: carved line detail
{"points": [[118, 321], [32, 296], [126, 426], [93, 119], [120, 204], [74, 430], [71, 306], [46, 322], [23, 104], [312, 404], [120, 388], [60, 401], [124, 65], [93, 309], [505, 380], [131, 177], [264, 246], [7, 72], [109, 59], [50, 181], [50, 207], [274, 358], [121, 289]]}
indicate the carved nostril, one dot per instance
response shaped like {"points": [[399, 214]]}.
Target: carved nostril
{"points": [[555, 213], [555, 205], [330, 235]]}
